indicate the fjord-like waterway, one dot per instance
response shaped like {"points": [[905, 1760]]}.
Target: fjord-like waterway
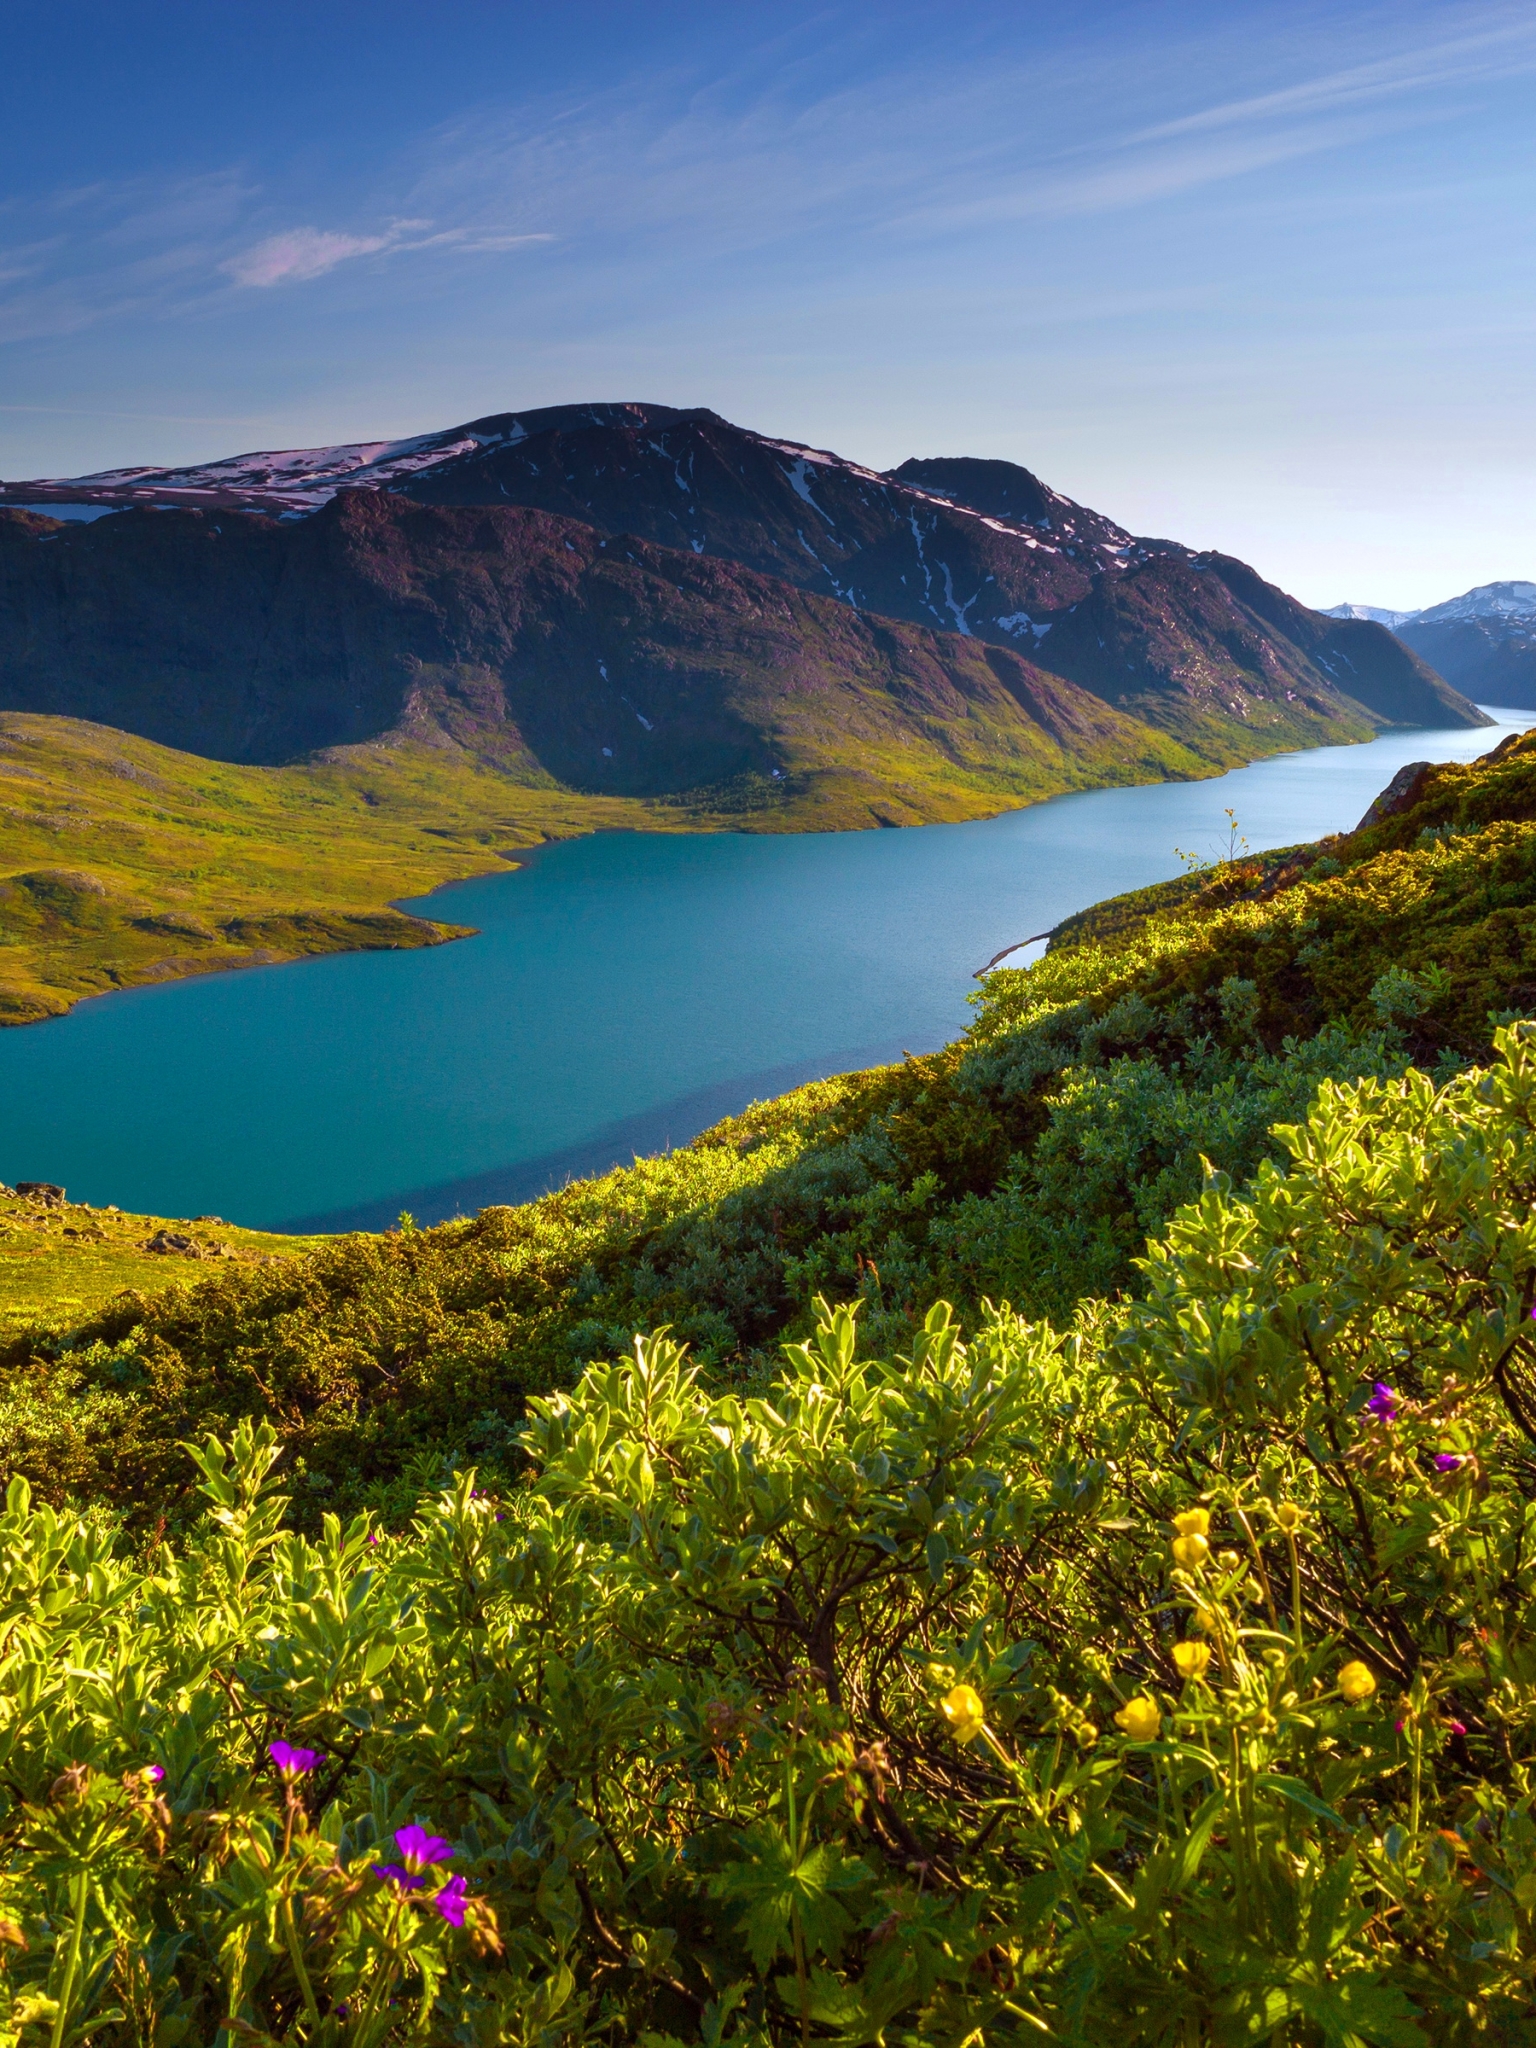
{"points": [[624, 992]]}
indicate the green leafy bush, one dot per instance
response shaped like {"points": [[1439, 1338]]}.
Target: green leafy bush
{"points": [[1031, 1160], [1166, 1679]]}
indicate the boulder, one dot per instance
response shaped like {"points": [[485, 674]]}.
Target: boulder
{"points": [[174, 1242], [1400, 794]]}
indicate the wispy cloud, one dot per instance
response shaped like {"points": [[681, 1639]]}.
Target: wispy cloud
{"points": [[299, 253], [1232, 138], [296, 255], [787, 149], [1499, 49]]}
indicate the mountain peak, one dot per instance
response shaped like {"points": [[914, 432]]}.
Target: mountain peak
{"points": [[1195, 645], [1487, 601], [1375, 612], [1483, 642]]}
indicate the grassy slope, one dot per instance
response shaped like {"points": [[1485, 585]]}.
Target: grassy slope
{"points": [[60, 1266], [1030, 1160], [124, 862]]}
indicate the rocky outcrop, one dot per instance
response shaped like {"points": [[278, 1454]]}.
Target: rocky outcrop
{"points": [[1400, 794]]}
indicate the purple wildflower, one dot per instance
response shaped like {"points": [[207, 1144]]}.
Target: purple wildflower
{"points": [[1456, 1727], [418, 1852], [1398, 1727], [373, 1535], [418, 1849], [1383, 1401], [1447, 1461], [153, 1772], [294, 1763], [450, 1900]]}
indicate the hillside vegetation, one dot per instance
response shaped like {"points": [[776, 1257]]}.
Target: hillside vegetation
{"points": [[1161, 1678], [972, 1623], [1027, 1163], [61, 1261]]}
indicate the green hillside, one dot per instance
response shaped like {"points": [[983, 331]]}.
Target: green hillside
{"points": [[124, 862], [61, 1262], [1154, 1666]]}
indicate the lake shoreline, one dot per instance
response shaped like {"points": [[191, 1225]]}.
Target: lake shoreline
{"points": [[113, 866], [633, 988]]}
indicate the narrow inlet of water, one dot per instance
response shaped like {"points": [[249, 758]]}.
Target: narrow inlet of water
{"points": [[624, 992]]}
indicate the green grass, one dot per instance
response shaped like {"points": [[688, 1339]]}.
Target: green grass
{"points": [[60, 1266], [124, 862]]}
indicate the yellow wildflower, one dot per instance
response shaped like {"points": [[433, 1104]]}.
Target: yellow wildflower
{"points": [[1205, 1620], [1190, 1551], [1140, 1719], [1191, 1658], [1289, 1516], [964, 1712], [1357, 1681], [1194, 1522]]}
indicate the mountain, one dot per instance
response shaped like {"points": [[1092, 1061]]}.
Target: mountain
{"points": [[776, 579], [982, 549], [536, 644], [1391, 620], [1483, 642]]}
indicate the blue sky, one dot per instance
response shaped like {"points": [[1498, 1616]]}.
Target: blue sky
{"points": [[1255, 277]]}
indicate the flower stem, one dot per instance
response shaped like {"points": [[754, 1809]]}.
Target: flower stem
{"points": [[79, 1891], [1290, 1540], [296, 1957]]}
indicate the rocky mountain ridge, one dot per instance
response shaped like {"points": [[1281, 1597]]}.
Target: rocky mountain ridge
{"points": [[539, 646], [251, 635]]}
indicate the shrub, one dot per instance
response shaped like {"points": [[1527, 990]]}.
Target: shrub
{"points": [[1170, 1678]]}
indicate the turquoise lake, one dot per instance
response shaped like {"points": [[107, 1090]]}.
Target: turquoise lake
{"points": [[624, 992]]}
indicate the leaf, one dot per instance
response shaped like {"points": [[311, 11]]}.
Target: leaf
{"points": [[1361, 2008], [773, 1887], [1301, 1795], [1191, 1851]]}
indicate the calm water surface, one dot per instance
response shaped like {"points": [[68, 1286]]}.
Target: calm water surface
{"points": [[625, 991]]}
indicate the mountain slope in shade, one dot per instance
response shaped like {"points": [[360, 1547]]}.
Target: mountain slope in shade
{"points": [[1196, 646], [1483, 642], [540, 646]]}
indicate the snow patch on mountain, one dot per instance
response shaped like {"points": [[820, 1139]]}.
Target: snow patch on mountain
{"points": [[1369, 611]]}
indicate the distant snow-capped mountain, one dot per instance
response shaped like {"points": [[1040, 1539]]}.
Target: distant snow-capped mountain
{"points": [[1484, 642], [1190, 645], [1368, 611]]}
